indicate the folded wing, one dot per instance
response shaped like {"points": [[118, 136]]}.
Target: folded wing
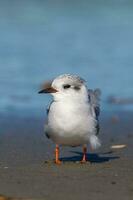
{"points": [[94, 99]]}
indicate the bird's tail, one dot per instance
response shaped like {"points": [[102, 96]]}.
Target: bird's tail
{"points": [[95, 142]]}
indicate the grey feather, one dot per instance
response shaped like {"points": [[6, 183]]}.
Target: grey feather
{"points": [[48, 108], [94, 99], [47, 111], [47, 135]]}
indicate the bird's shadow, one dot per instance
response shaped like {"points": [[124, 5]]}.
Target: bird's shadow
{"points": [[93, 157]]}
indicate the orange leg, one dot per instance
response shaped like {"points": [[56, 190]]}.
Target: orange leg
{"points": [[84, 159], [57, 161]]}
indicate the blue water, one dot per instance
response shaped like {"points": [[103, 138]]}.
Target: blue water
{"points": [[42, 39]]}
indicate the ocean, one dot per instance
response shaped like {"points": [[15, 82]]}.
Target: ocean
{"points": [[40, 40]]}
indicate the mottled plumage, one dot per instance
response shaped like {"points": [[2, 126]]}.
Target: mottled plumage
{"points": [[94, 98], [72, 117]]}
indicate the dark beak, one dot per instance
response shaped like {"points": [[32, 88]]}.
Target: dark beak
{"points": [[47, 88]]}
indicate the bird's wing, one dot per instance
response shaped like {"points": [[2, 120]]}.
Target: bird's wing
{"points": [[94, 99], [48, 107], [46, 122]]}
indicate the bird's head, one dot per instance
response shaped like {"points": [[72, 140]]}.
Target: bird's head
{"points": [[66, 87]]}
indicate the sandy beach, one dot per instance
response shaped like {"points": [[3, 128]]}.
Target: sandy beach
{"points": [[39, 41], [27, 170]]}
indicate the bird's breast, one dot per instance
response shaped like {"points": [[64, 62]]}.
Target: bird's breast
{"points": [[69, 118]]}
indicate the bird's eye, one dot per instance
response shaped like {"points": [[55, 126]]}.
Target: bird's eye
{"points": [[77, 88], [66, 86]]}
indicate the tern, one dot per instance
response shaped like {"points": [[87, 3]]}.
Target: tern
{"points": [[72, 116]]}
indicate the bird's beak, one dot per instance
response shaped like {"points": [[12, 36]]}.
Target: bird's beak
{"points": [[47, 88]]}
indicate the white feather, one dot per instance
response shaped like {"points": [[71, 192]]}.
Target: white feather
{"points": [[71, 119], [95, 142]]}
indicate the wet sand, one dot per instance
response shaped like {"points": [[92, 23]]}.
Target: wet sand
{"points": [[27, 169]]}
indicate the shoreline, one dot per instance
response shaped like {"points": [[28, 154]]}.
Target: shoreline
{"points": [[27, 169]]}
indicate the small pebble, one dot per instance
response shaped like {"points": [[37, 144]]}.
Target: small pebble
{"points": [[113, 182], [119, 146]]}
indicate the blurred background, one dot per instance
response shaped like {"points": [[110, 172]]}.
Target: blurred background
{"points": [[42, 39]]}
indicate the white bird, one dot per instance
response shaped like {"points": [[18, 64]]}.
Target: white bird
{"points": [[72, 117]]}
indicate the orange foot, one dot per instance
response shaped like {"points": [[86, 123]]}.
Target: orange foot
{"points": [[84, 160], [57, 161]]}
